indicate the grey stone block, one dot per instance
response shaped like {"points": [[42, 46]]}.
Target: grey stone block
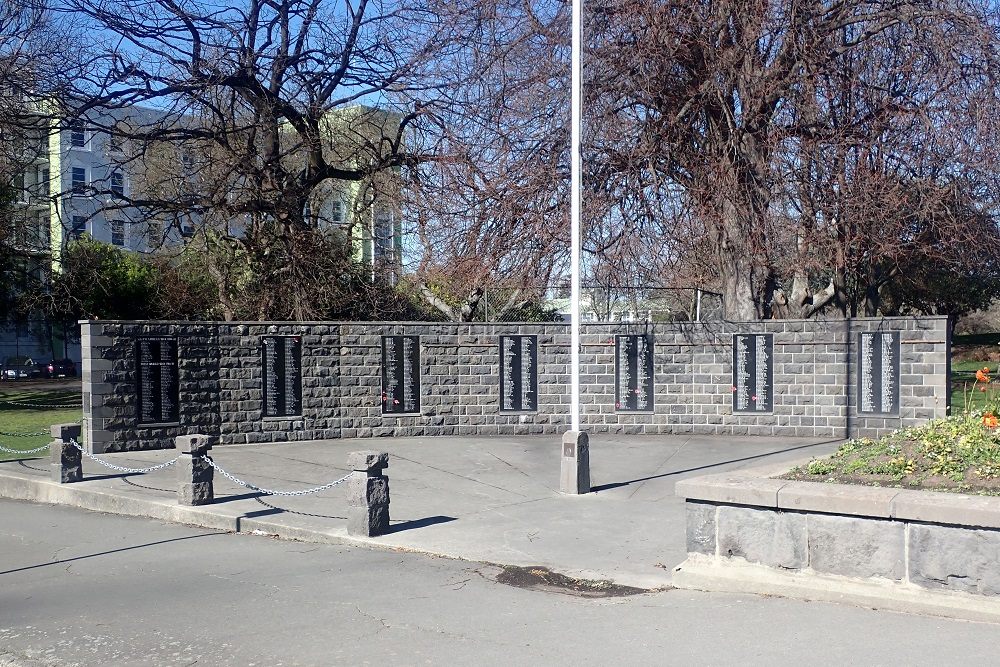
{"points": [[196, 444], [66, 461], [700, 519], [958, 559], [368, 521], [66, 432], [574, 469], [363, 491], [773, 538], [368, 461], [195, 479], [856, 547]]}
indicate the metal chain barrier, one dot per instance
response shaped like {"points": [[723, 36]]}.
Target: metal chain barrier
{"points": [[23, 434], [8, 450], [59, 406], [121, 468], [272, 492]]}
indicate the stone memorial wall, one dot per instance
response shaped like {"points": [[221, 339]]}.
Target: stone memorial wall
{"points": [[147, 382]]}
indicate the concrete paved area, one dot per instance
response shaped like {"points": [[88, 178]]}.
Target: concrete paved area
{"points": [[481, 499], [79, 588]]}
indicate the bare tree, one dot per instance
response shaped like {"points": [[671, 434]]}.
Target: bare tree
{"points": [[792, 133], [487, 205], [258, 92]]}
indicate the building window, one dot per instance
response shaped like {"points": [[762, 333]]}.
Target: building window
{"points": [[77, 136], [114, 144], [79, 180], [117, 232], [43, 181], [383, 236], [117, 183], [337, 212], [154, 234], [19, 189], [79, 227]]}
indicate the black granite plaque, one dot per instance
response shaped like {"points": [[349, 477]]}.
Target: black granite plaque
{"points": [[633, 373], [400, 375], [157, 388], [281, 364], [878, 373], [753, 372], [518, 373]]}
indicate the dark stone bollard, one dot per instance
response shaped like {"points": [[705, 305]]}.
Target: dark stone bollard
{"points": [[194, 474], [67, 460], [368, 494], [575, 470]]}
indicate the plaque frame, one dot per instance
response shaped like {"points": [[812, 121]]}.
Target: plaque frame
{"points": [[650, 375], [878, 336], [534, 373], [174, 389], [399, 397], [755, 389], [284, 383]]}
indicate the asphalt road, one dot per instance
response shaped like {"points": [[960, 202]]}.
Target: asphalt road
{"points": [[78, 587]]}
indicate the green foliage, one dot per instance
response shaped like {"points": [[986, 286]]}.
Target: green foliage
{"points": [[101, 281]]}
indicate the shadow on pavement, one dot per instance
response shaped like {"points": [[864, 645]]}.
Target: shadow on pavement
{"points": [[419, 523], [615, 485], [111, 551]]}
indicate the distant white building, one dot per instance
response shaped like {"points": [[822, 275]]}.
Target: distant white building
{"points": [[78, 175]]}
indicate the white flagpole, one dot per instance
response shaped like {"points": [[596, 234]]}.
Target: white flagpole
{"points": [[575, 202]]}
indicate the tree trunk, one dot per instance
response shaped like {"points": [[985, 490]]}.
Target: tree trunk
{"points": [[737, 269]]}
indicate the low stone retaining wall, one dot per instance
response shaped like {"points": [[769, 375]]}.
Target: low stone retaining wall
{"points": [[911, 550]]}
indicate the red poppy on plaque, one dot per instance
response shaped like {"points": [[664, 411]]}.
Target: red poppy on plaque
{"points": [[384, 396], [395, 401], [637, 392], [734, 387], [617, 405], [754, 397], [296, 338]]}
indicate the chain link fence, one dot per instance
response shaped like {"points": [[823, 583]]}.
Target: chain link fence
{"points": [[600, 304]]}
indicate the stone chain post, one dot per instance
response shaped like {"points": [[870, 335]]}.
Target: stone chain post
{"points": [[575, 469], [368, 494], [194, 474], [67, 460]]}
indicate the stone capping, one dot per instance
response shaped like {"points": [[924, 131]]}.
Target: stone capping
{"points": [[757, 487]]}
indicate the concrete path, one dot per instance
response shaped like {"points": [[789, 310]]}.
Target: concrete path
{"points": [[78, 588], [482, 499]]}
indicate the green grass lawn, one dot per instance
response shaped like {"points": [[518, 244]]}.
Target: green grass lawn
{"points": [[18, 418]]}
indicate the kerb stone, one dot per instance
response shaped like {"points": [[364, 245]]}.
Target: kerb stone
{"points": [[769, 537], [700, 527], [955, 558], [855, 547]]}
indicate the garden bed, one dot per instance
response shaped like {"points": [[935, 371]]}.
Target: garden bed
{"points": [[955, 454]]}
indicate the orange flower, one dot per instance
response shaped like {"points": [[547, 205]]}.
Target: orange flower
{"points": [[983, 375], [990, 420]]}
